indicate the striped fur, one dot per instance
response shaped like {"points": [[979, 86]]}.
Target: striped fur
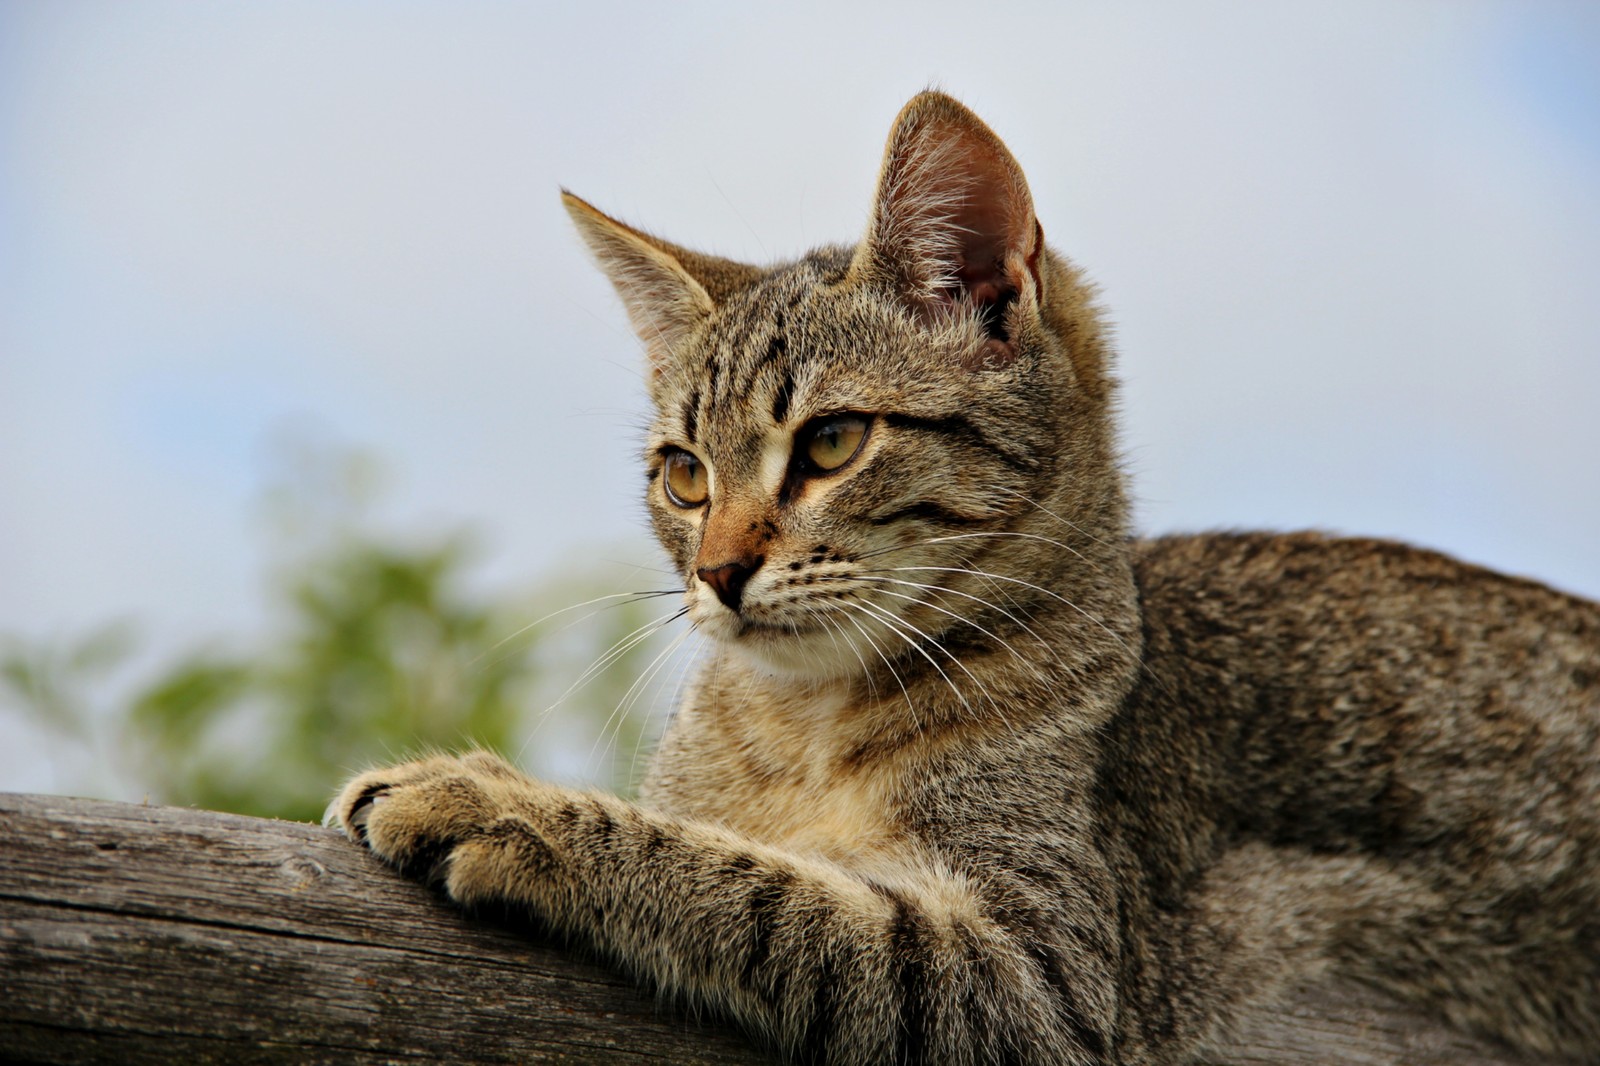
{"points": [[971, 775]]}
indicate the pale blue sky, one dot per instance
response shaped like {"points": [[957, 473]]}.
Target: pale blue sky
{"points": [[1353, 251]]}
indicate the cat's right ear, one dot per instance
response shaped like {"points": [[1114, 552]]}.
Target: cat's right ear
{"points": [[668, 291]]}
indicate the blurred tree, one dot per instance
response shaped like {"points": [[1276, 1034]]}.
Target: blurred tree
{"points": [[383, 650]]}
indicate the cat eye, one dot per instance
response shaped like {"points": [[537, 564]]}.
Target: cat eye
{"points": [[829, 443], [685, 478]]}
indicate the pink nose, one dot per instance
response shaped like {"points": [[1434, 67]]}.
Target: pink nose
{"points": [[728, 580]]}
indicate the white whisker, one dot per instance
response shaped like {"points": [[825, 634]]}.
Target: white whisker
{"points": [[889, 620], [625, 704], [617, 650], [910, 707], [922, 602], [1064, 521], [964, 595], [635, 597], [1027, 584]]}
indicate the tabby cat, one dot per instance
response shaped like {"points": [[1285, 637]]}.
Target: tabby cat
{"points": [[972, 775]]}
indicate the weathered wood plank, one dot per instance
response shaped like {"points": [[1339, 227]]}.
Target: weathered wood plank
{"points": [[150, 934], [132, 934]]}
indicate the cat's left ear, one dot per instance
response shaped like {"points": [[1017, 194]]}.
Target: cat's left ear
{"points": [[668, 291], [953, 221]]}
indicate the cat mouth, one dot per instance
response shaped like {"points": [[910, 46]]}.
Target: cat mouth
{"points": [[752, 627], [802, 649]]}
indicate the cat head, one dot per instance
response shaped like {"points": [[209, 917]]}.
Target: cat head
{"points": [[897, 451]]}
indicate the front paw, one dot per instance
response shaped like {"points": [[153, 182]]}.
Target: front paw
{"points": [[415, 816]]}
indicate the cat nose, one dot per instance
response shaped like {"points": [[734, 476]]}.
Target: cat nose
{"points": [[728, 580]]}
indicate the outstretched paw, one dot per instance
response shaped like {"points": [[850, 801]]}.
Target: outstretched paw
{"points": [[431, 818]]}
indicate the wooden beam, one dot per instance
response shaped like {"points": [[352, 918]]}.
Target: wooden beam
{"points": [[136, 934]]}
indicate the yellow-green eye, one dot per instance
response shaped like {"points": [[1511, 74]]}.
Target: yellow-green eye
{"points": [[831, 442], [685, 478]]}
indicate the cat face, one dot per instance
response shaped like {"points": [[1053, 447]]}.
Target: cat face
{"points": [[822, 464], [852, 454]]}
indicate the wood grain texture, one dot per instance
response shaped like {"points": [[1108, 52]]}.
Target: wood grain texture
{"points": [[136, 934]]}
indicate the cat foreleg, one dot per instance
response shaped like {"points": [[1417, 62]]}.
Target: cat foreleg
{"points": [[826, 964]]}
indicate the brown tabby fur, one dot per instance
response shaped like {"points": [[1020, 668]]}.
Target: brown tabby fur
{"points": [[973, 776]]}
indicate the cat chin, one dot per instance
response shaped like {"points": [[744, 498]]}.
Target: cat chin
{"points": [[818, 655]]}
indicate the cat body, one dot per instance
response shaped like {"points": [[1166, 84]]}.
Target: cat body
{"points": [[970, 774]]}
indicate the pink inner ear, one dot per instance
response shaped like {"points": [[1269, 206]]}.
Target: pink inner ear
{"points": [[993, 222], [983, 281], [983, 292], [987, 223]]}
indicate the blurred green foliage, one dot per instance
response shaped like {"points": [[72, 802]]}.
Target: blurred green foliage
{"points": [[383, 650]]}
